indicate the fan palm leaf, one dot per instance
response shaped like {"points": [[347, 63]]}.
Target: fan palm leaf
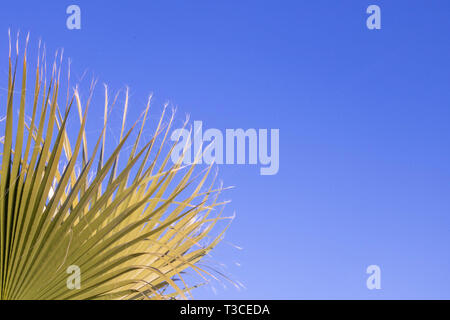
{"points": [[131, 229]]}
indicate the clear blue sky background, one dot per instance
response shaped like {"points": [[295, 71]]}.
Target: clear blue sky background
{"points": [[363, 116]]}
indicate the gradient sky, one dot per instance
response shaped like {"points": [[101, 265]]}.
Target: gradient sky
{"points": [[363, 116]]}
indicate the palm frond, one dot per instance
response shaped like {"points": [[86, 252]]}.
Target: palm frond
{"points": [[132, 229]]}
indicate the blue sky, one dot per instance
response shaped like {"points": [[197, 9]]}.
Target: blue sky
{"points": [[363, 116]]}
